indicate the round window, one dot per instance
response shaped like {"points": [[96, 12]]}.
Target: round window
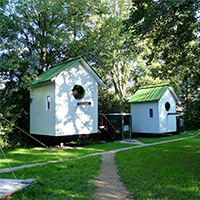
{"points": [[78, 92], [167, 106]]}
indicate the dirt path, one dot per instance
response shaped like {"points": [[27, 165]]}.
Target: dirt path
{"points": [[109, 186], [108, 183]]}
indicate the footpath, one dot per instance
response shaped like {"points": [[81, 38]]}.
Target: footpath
{"points": [[93, 154], [108, 182]]}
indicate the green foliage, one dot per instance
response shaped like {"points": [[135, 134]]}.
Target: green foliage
{"points": [[195, 132], [114, 60], [167, 171], [38, 34], [169, 25], [160, 44], [14, 100], [15, 108], [110, 103], [169, 43], [192, 114], [35, 36]]}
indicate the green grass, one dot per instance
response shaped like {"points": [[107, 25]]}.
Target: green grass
{"points": [[160, 138], [166, 171], [17, 157], [64, 180], [194, 132]]}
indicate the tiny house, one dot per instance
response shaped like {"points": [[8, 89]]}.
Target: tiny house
{"points": [[65, 100], [153, 109]]}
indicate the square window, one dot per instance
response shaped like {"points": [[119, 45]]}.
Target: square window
{"points": [[151, 113]]}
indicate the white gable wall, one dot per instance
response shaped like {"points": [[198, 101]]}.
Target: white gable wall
{"points": [[141, 121], [167, 122], [71, 119], [42, 121]]}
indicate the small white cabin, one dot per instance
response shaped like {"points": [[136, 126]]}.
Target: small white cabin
{"points": [[153, 109], [65, 100]]}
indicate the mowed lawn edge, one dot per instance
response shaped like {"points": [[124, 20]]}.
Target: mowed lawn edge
{"points": [[160, 138], [23, 156], [165, 171]]}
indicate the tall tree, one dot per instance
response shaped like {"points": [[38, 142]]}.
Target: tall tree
{"points": [[115, 60], [171, 30], [36, 35]]}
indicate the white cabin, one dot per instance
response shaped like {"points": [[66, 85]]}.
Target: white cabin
{"points": [[153, 109], [65, 100]]}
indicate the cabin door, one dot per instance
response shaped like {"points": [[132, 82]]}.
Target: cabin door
{"points": [[126, 124]]}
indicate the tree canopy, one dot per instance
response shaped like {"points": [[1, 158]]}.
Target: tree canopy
{"points": [[170, 30], [130, 44], [36, 35]]}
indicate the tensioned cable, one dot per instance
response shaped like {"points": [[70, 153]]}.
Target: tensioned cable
{"points": [[9, 164], [1, 116]]}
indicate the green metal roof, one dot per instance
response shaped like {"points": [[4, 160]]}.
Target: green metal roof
{"points": [[54, 71], [149, 93]]}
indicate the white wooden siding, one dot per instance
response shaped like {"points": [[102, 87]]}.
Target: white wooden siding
{"points": [[161, 121], [42, 121], [72, 119], [167, 122], [141, 121]]}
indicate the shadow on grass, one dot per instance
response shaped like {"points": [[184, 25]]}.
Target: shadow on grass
{"points": [[17, 157]]}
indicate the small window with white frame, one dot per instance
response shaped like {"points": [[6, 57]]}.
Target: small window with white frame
{"points": [[151, 113], [48, 103]]}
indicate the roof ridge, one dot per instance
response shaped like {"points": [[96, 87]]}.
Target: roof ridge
{"points": [[153, 86], [53, 72], [66, 61], [50, 73], [149, 93]]}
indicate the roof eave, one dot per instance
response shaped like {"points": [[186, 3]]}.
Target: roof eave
{"points": [[176, 97], [40, 83], [92, 72], [89, 68]]}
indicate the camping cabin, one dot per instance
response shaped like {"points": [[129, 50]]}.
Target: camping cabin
{"points": [[65, 100], [153, 109]]}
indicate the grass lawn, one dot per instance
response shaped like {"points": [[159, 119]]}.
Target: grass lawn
{"points": [[63, 180], [17, 157], [166, 171], [195, 132], [159, 138]]}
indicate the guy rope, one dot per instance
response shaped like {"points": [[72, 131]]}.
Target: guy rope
{"points": [[2, 117]]}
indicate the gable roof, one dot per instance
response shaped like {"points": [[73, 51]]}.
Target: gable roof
{"points": [[152, 93], [53, 72]]}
